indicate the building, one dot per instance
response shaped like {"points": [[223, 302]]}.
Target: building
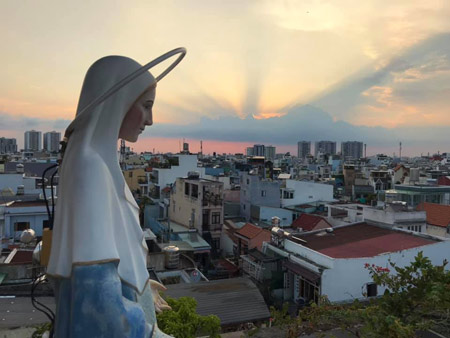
{"points": [[413, 195], [256, 191], [397, 215], [307, 222], [303, 192], [198, 203], [18, 216], [33, 140], [8, 145], [269, 153], [332, 263], [249, 151], [162, 176], [352, 149], [303, 149], [259, 150], [51, 141], [325, 147], [438, 218], [137, 180], [250, 237]]}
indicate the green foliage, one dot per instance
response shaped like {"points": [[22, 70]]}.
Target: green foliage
{"points": [[417, 297], [41, 330], [183, 321]]}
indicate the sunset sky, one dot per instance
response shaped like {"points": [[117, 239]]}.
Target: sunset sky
{"points": [[272, 72]]}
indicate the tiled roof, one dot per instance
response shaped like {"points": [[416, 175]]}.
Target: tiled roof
{"points": [[307, 222], [249, 231], [362, 240], [437, 214]]}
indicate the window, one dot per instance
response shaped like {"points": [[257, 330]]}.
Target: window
{"points": [[244, 206], [194, 188], [186, 189], [371, 290], [21, 226], [263, 193], [248, 181], [130, 174], [215, 218]]}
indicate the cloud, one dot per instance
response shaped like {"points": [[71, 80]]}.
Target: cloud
{"points": [[300, 123], [21, 123]]}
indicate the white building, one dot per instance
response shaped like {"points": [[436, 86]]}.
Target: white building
{"points": [[332, 263], [33, 140], [51, 141], [302, 192], [269, 153], [159, 178]]}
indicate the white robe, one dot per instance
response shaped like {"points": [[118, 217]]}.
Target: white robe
{"points": [[96, 216]]}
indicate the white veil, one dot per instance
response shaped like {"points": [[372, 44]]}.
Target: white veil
{"points": [[96, 217]]}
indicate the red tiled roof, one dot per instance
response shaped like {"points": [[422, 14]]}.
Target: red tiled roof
{"points": [[437, 214], [362, 240], [307, 222], [22, 257], [249, 231], [444, 180]]}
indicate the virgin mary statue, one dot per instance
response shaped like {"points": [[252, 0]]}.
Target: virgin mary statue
{"points": [[98, 259]]}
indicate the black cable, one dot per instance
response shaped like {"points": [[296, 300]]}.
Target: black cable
{"points": [[43, 189], [53, 199]]}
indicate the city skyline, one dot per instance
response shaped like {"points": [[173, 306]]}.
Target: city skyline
{"points": [[375, 70]]}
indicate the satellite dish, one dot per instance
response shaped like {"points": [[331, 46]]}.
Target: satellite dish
{"points": [[27, 236]]}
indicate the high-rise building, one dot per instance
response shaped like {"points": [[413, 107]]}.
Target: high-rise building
{"points": [[8, 145], [352, 149], [51, 141], [325, 147], [304, 149], [258, 150], [269, 153], [33, 140], [249, 151]]}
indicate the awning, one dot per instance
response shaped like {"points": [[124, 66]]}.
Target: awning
{"points": [[301, 271]]}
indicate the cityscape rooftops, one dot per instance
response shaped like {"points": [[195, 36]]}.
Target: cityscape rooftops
{"points": [[362, 240], [249, 231]]}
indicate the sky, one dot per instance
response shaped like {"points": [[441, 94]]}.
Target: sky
{"points": [[273, 72]]}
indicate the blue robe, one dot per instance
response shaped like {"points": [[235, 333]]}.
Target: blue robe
{"points": [[95, 303]]}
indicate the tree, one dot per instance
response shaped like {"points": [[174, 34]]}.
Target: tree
{"points": [[183, 321], [417, 297]]}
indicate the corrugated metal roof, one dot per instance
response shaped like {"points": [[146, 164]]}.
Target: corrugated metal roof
{"points": [[362, 240], [234, 300], [437, 214]]}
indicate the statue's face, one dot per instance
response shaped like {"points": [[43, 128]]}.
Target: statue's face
{"points": [[139, 116]]}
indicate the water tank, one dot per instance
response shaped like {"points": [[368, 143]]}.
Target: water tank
{"points": [[27, 236], [172, 257], [37, 253], [414, 175], [19, 168], [192, 175]]}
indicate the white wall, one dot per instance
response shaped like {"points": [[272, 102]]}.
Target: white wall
{"points": [[266, 214], [347, 279], [186, 163], [11, 181], [305, 192]]}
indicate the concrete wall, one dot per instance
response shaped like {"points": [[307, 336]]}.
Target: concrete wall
{"points": [[305, 192], [390, 217], [437, 231], [266, 214], [252, 188], [347, 279], [186, 163], [34, 215]]}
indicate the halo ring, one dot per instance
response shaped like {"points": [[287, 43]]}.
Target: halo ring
{"points": [[135, 74]]}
